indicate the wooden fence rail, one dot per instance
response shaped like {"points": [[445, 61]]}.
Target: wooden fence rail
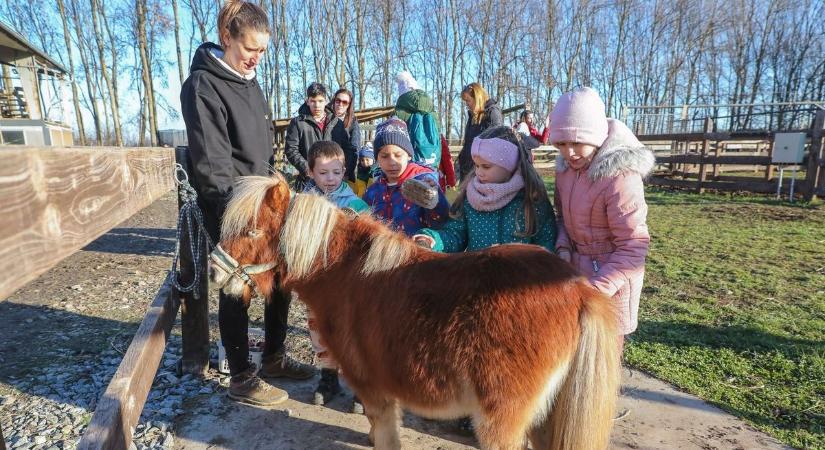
{"points": [[53, 202], [119, 408], [57, 200], [710, 142]]}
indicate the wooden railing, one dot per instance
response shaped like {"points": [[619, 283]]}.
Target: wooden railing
{"points": [[696, 161], [54, 202]]}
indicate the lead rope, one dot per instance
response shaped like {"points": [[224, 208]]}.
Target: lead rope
{"points": [[190, 214]]}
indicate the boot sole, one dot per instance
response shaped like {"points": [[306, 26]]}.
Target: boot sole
{"points": [[250, 401], [267, 376]]}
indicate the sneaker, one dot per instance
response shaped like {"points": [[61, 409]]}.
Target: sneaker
{"points": [[281, 365], [247, 387], [357, 406], [328, 387]]}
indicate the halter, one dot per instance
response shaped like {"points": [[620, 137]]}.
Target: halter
{"points": [[227, 264], [223, 261]]}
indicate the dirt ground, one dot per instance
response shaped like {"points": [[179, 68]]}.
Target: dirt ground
{"points": [[86, 309]]}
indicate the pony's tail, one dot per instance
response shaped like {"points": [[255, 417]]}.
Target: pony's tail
{"points": [[582, 416]]}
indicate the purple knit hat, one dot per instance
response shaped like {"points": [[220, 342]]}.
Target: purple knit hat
{"points": [[392, 131], [579, 117]]}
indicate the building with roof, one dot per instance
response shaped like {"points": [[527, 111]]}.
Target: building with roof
{"points": [[33, 94]]}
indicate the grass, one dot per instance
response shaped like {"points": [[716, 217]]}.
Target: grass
{"points": [[733, 308]]}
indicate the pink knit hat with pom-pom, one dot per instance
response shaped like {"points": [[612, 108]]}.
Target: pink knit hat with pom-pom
{"points": [[579, 117]]}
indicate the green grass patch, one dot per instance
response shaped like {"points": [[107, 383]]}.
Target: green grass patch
{"points": [[733, 308]]}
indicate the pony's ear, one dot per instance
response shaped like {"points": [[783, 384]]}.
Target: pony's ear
{"points": [[278, 196]]}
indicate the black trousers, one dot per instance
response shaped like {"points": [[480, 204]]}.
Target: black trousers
{"points": [[233, 322]]}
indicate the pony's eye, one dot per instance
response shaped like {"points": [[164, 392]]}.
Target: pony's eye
{"points": [[254, 234]]}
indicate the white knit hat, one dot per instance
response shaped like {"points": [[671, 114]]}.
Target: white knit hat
{"points": [[579, 116], [406, 82]]}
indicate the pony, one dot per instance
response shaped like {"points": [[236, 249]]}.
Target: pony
{"points": [[511, 336]]}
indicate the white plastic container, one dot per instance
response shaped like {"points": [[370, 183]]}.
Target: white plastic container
{"points": [[256, 348]]}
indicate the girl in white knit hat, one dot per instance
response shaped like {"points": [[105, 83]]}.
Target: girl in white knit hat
{"points": [[600, 200]]}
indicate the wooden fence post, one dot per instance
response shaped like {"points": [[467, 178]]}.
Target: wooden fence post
{"points": [[194, 305], [769, 167], [2, 441], [705, 145], [815, 178]]}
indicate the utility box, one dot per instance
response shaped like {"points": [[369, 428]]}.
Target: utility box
{"points": [[788, 148]]}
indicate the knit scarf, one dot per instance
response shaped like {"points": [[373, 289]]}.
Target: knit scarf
{"points": [[493, 196]]}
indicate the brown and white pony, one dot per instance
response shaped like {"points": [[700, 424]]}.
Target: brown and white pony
{"points": [[511, 336]]}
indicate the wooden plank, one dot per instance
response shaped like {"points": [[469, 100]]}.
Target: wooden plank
{"points": [[761, 187], [512, 109], [722, 159], [815, 178], [194, 311], [57, 200], [119, 408], [717, 136], [362, 116]]}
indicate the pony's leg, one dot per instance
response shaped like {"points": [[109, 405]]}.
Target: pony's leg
{"points": [[539, 435], [501, 431], [385, 420]]}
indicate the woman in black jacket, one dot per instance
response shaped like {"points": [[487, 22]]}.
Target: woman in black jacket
{"points": [[483, 112], [343, 106], [229, 127]]}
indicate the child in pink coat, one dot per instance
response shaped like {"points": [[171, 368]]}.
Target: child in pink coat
{"points": [[600, 202]]}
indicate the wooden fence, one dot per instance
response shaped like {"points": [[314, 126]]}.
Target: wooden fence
{"points": [[54, 202], [698, 161]]}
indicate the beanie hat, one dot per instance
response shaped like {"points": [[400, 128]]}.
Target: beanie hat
{"points": [[392, 131], [406, 82], [579, 116], [366, 151], [500, 152]]}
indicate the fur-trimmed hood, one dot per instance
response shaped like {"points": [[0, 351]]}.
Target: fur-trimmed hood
{"points": [[621, 152]]}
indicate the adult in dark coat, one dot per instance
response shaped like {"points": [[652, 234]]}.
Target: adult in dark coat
{"points": [[343, 107], [316, 123], [229, 127], [483, 112]]}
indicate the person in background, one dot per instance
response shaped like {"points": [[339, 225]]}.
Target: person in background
{"points": [[343, 106], [527, 127], [483, 113], [316, 123]]}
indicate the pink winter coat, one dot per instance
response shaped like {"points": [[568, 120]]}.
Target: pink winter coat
{"points": [[601, 216]]}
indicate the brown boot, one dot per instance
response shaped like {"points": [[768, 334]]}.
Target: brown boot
{"points": [[247, 387], [281, 365]]}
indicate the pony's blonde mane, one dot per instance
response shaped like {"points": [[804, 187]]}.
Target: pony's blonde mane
{"points": [[309, 225], [387, 251], [247, 198]]}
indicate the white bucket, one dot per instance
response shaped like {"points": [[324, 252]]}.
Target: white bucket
{"points": [[256, 348]]}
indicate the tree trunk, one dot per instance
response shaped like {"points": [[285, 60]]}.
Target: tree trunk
{"points": [[84, 60], [177, 41], [75, 95], [146, 71], [113, 101]]}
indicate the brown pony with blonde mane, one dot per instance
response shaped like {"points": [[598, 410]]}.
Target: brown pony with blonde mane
{"points": [[511, 336]]}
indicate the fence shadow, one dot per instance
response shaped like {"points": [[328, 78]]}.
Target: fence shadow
{"points": [[135, 241]]}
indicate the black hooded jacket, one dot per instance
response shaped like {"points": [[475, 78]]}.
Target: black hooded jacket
{"points": [[492, 118], [229, 127], [303, 131]]}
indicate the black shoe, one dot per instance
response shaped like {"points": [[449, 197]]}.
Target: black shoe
{"points": [[464, 426], [328, 387]]}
